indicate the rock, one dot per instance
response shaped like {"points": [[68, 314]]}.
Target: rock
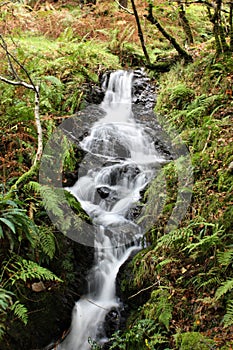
{"points": [[38, 287], [103, 192], [112, 322]]}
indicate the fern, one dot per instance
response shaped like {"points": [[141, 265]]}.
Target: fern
{"points": [[20, 311], [15, 225], [225, 258], [181, 96], [159, 307], [51, 197], [47, 241], [175, 238], [226, 287], [22, 270], [5, 299], [164, 262], [207, 241], [228, 317]]}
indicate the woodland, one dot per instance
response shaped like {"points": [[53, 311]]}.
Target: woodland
{"points": [[179, 288]]}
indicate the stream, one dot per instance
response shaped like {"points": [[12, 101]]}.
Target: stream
{"points": [[125, 162]]}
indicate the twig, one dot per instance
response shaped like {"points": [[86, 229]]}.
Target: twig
{"points": [[92, 302], [144, 289], [124, 8], [207, 140]]}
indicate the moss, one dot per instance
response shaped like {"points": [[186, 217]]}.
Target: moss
{"points": [[193, 340]]}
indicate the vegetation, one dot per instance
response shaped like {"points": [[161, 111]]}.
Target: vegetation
{"points": [[180, 290]]}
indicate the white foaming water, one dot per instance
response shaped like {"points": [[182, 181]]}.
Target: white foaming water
{"points": [[107, 192]]}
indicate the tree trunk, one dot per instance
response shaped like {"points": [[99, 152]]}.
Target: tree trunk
{"points": [[140, 33], [182, 53], [185, 23], [218, 30], [231, 26]]}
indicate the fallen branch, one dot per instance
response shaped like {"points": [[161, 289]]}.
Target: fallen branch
{"points": [[143, 290]]}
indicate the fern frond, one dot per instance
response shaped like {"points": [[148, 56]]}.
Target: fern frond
{"points": [[228, 317], [162, 307], [23, 270], [5, 299], [47, 241], [20, 311], [226, 287], [204, 243], [164, 262], [214, 281], [179, 237], [225, 258]]}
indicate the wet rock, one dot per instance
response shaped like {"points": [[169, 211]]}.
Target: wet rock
{"points": [[143, 91], [112, 322], [103, 192]]}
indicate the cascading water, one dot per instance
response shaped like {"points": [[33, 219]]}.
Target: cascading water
{"points": [[107, 192]]}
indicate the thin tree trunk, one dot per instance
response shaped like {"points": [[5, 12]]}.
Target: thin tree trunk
{"points": [[38, 126], [218, 31], [185, 23], [231, 26], [16, 81], [140, 33], [182, 53]]}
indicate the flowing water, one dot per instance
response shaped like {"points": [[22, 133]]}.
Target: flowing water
{"points": [[125, 161]]}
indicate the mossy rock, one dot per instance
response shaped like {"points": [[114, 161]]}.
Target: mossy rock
{"points": [[193, 340]]}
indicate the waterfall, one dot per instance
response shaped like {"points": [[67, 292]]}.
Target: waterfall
{"points": [[107, 192]]}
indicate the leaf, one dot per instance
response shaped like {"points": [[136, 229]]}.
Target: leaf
{"points": [[224, 288], [9, 224], [20, 311], [1, 232]]}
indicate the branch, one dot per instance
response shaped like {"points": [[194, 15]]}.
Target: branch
{"points": [[123, 8], [17, 81], [13, 82], [9, 57], [182, 53], [144, 289]]}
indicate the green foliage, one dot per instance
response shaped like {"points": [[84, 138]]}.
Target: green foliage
{"points": [[193, 340], [180, 96], [225, 258], [228, 317], [57, 203], [21, 270], [5, 305], [20, 311], [15, 225], [159, 307], [226, 287], [175, 239], [142, 335], [46, 242], [208, 241]]}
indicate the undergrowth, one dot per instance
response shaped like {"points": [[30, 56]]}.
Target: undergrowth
{"points": [[190, 267]]}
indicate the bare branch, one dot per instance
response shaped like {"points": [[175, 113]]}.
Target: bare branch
{"points": [[10, 56], [123, 8], [13, 82], [17, 81], [144, 289]]}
